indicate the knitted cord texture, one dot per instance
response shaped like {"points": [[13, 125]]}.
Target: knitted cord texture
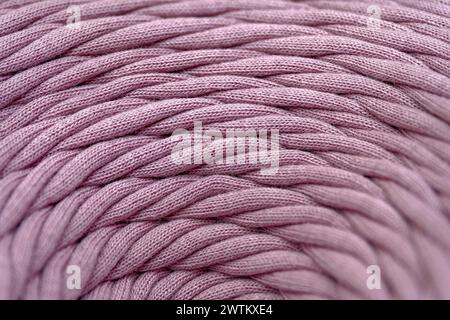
{"points": [[358, 90]]}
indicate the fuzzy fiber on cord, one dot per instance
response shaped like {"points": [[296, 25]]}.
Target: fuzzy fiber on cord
{"points": [[87, 179]]}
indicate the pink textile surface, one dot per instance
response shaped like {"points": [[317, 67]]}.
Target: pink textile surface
{"points": [[93, 205]]}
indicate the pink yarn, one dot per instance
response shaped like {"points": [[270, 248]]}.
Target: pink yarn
{"points": [[361, 104]]}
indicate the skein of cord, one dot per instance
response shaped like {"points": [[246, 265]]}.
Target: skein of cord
{"points": [[346, 194]]}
